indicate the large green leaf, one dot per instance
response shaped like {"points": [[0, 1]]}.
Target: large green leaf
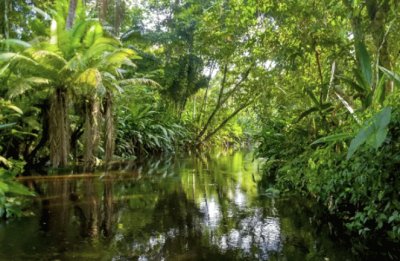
{"points": [[364, 61], [373, 133], [359, 140], [379, 125]]}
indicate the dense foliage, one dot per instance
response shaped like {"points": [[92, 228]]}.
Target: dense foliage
{"points": [[313, 83]]}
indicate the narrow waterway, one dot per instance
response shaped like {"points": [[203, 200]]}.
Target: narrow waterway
{"points": [[182, 208]]}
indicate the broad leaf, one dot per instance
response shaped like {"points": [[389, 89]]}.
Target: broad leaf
{"points": [[364, 61], [373, 133]]}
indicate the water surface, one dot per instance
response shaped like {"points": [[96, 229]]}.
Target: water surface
{"points": [[183, 208]]}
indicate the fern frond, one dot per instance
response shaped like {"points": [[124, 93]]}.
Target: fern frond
{"points": [[18, 88], [49, 58], [95, 32]]}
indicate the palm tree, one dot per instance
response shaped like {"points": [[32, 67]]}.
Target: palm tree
{"points": [[79, 62]]}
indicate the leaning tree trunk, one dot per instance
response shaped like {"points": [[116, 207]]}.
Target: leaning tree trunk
{"points": [[91, 132], [109, 128], [58, 129]]}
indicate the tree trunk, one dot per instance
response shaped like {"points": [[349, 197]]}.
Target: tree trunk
{"points": [[356, 25], [58, 129], [378, 13], [117, 17], [103, 10], [91, 132], [109, 128], [5, 26], [71, 14], [217, 106], [44, 108]]}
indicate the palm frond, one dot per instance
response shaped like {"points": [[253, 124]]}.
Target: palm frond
{"points": [[49, 58], [18, 88], [16, 44], [95, 32], [139, 81]]}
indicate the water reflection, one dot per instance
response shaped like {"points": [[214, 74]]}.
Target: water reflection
{"points": [[193, 208]]}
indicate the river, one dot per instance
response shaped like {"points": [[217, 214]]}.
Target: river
{"points": [[179, 208]]}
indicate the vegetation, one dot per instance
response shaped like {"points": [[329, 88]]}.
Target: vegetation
{"points": [[314, 84]]}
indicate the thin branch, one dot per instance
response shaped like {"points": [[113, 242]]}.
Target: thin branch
{"points": [[217, 106], [224, 122]]}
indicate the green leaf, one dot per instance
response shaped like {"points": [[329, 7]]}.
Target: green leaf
{"points": [[94, 33], [3, 187], [19, 87], [23, 133], [364, 61], [333, 138], [353, 84], [374, 132], [6, 56], [5, 67], [391, 75], [359, 140], [379, 94], [16, 43], [7, 125], [5, 161], [380, 123], [49, 58], [14, 108], [313, 98], [306, 113], [19, 189]]}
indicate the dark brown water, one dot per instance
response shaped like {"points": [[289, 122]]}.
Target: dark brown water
{"points": [[186, 208]]}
